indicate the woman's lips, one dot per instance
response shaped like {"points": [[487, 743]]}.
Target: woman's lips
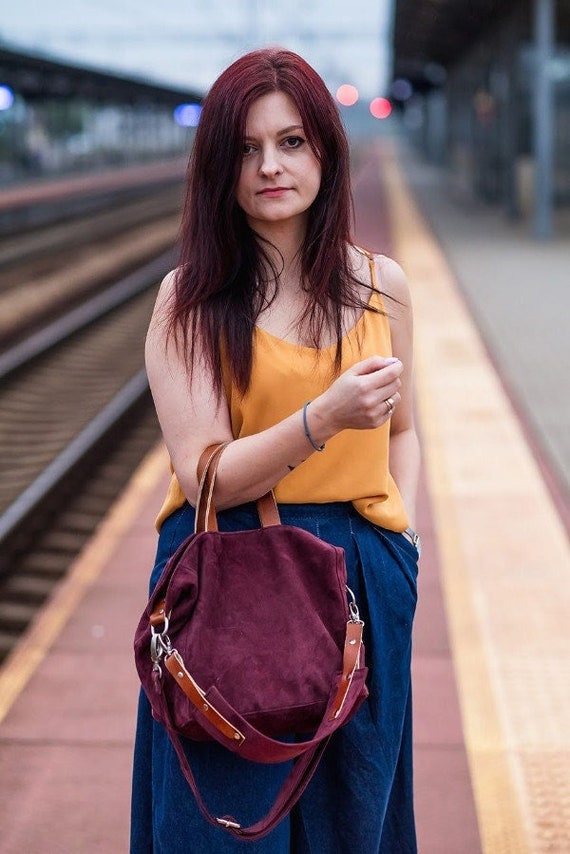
{"points": [[273, 192]]}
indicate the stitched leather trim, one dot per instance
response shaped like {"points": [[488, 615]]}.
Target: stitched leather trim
{"points": [[175, 666], [351, 657]]}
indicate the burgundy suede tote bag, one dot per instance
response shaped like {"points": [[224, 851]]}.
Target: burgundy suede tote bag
{"points": [[249, 636]]}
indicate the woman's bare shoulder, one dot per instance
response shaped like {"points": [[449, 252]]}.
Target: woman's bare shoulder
{"points": [[161, 316], [392, 279], [164, 297], [168, 285], [390, 276]]}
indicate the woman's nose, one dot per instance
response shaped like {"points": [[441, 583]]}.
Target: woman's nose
{"points": [[270, 163]]}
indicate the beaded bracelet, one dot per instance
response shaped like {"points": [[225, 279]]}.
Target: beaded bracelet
{"points": [[308, 432]]}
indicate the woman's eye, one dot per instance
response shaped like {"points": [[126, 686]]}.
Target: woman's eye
{"points": [[293, 142], [247, 149]]}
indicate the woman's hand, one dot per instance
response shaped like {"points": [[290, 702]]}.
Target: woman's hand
{"points": [[363, 397]]}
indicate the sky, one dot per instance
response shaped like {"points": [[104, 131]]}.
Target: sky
{"points": [[188, 42]]}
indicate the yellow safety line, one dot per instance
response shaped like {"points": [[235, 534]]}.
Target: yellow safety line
{"points": [[20, 666], [490, 769], [504, 558]]}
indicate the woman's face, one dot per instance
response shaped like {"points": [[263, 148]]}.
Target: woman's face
{"points": [[280, 174]]}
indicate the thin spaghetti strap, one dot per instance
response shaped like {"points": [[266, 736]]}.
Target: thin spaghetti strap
{"points": [[372, 265], [373, 275]]}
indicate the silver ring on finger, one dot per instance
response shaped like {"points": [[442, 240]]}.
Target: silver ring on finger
{"points": [[390, 404]]}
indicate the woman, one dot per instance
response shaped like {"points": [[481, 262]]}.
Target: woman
{"points": [[277, 334]]}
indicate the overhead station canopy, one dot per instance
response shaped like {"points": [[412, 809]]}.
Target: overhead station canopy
{"points": [[38, 78], [431, 35]]}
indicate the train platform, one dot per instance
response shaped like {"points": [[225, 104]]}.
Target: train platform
{"points": [[492, 647]]}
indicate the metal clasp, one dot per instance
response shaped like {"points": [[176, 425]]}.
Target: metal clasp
{"points": [[353, 607], [227, 823], [160, 644]]}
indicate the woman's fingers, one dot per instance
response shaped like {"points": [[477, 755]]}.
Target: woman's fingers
{"points": [[380, 385], [366, 395], [373, 365], [389, 404]]}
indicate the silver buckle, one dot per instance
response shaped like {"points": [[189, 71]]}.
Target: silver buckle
{"points": [[414, 538]]}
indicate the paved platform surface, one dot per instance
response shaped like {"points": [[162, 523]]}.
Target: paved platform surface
{"points": [[492, 654], [502, 545], [518, 290]]}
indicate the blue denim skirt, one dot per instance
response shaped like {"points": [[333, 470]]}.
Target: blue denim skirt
{"points": [[361, 797]]}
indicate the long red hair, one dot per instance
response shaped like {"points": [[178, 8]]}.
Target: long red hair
{"points": [[222, 280]]}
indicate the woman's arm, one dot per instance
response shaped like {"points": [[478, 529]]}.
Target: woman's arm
{"points": [[404, 445], [192, 416]]}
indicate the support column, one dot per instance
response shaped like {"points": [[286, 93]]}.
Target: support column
{"points": [[543, 117]]}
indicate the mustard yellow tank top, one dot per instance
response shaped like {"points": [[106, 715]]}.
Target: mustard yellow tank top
{"points": [[355, 463]]}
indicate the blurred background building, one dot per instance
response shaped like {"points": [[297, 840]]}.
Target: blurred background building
{"points": [[54, 120], [482, 86]]}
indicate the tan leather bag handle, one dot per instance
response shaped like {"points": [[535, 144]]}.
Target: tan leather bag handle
{"points": [[206, 519]]}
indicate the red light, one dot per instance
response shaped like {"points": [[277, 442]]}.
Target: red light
{"points": [[347, 95], [380, 108]]}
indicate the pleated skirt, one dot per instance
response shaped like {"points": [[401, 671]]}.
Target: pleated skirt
{"points": [[361, 797]]}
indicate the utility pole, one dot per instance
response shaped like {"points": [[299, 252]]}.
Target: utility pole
{"points": [[544, 40]]}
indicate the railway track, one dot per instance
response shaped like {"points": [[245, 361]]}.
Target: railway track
{"points": [[76, 417], [45, 272], [27, 256]]}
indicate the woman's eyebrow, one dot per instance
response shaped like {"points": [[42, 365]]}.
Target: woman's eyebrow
{"points": [[280, 132], [289, 129]]}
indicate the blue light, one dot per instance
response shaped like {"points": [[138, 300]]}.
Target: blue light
{"points": [[6, 97], [402, 89], [187, 115]]}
